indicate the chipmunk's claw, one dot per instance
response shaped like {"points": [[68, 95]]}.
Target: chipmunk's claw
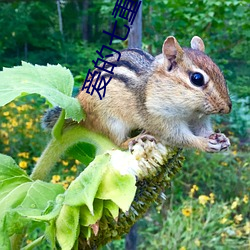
{"points": [[218, 142], [141, 139]]}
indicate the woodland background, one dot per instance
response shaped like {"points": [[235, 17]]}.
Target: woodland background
{"points": [[207, 206]]}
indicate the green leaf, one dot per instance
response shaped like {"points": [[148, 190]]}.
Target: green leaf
{"points": [[9, 168], [83, 189], [118, 188], [67, 226], [39, 194], [83, 152], [86, 218], [53, 82], [112, 208], [6, 186]]}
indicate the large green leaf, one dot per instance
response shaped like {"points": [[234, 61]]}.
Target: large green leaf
{"points": [[21, 197], [118, 188], [82, 191], [53, 82], [67, 226]]}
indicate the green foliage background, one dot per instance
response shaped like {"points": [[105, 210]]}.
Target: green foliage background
{"points": [[30, 31]]}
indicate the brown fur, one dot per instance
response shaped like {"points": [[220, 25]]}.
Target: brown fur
{"points": [[156, 95]]}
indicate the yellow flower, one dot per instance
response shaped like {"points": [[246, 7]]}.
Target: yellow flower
{"points": [[247, 227], [223, 221], [211, 195], [35, 159], [234, 152], [6, 113], [238, 233], [6, 141], [193, 190], [70, 178], [12, 105], [182, 248], [245, 199], [187, 211], [203, 199], [55, 178], [65, 185], [238, 218], [197, 242], [23, 164], [77, 162], [29, 124], [4, 134], [14, 123], [65, 163], [24, 154], [235, 203], [223, 235], [73, 168], [224, 164]]}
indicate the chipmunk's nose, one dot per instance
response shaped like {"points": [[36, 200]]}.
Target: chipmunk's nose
{"points": [[227, 108]]}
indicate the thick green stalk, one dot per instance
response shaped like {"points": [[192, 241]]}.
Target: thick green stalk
{"points": [[57, 147]]}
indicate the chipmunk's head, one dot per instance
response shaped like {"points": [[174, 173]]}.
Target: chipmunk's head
{"points": [[198, 78]]}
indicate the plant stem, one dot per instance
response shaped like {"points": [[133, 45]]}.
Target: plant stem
{"points": [[57, 147]]}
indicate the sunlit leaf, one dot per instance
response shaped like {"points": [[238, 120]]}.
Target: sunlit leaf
{"points": [[53, 82]]}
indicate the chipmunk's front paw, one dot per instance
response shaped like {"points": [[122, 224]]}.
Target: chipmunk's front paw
{"points": [[218, 142]]}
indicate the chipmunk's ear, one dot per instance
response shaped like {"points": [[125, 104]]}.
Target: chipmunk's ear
{"points": [[171, 50], [197, 43]]}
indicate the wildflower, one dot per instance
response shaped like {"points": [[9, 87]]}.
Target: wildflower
{"points": [[70, 178], [4, 134], [29, 124], [245, 199], [211, 195], [35, 159], [238, 218], [23, 164], [238, 233], [6, 113], [247, 227], [223, 220], [182, 248], [73, 168], [14, 123], [65, 163], [197, 242], [65, 185], [224, 164], [24, 154], [234, 152], [193, 190], [6, 141], [235, 203], [77, 162], [12, 105], [203, 199], [55, 178], [186, 211]]}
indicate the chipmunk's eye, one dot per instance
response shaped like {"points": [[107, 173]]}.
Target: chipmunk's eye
{"points": [[197, 79]]}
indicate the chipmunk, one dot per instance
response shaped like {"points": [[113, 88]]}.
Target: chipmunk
{"points": [[170, 96]]}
